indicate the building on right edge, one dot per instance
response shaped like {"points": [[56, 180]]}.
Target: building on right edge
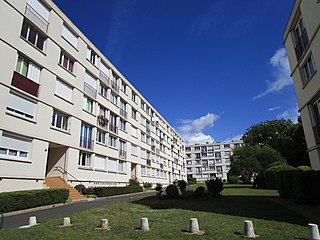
{"points": [[302, 41], [210, 160]]}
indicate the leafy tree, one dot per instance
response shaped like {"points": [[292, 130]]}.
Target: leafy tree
{"points": [[248, 160], [282, 135]]}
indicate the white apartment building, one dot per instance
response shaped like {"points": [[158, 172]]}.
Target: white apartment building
{"points": [[210, 160], [66, 111], [302, 41]]}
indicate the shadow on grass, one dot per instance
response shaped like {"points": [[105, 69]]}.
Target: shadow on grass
{"points": [[259, 207]]}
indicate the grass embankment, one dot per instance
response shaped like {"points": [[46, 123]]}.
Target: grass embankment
{"points": [[219, 218]]}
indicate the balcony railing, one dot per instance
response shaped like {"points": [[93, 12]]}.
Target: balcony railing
{"points": [[122, 154], [89, 90], [86, 143], [301, 44], [25, 84], [123, 113], [114, 86], [36, 18], [113, 128], [102, 122], [104, 78]]}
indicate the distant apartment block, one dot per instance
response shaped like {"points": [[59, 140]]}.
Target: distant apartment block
{"points": [[302, 41], [66, 111], [210, 160]]}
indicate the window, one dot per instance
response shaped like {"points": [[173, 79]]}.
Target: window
{"points": [[61, 121], [314, 110], [143, 137], [216, 147], [308, 70], [123, 86], [112, 141], [101, 137], [32, 35], [69, 36], [84, 159], [134, 97], [217, 154], [63, 90], [38, 14], [134, 150], [66, 62], [188, 149], [113, 98], [122, 166], [227, 153], [103, 90], [14, 147], [112, 165], [143, 171], [122, 125], [90, 85], [134, 114], [28, 69], [134, 131], [22, 106], [92, 57], [99, 162], [226, 145], [300, 38], [88, 104], [86, 136]]}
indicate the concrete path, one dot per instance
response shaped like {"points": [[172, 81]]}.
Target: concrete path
{"points": [[20, 218]]}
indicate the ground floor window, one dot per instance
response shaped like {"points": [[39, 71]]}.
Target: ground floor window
{"points": [[14, 147], [84, 159]]}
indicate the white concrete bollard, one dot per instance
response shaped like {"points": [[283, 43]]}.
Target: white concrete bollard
{"points": [[194, 226], [104, 224], [248, 229], [144, 224], [313, 232], [32, 221], [66, 222]]}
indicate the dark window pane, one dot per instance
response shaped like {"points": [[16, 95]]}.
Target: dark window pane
{"points": [[32, 36], [40, 42], [24, 30]]}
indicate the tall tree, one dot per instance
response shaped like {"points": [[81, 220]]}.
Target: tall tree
{"points": [[283, 136], [249, 160]]}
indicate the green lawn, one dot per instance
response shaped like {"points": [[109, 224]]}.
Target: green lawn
{"points": [[219, 218]]}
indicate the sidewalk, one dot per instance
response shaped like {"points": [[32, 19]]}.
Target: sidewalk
{"points": [[21, 218], [311, 213]]}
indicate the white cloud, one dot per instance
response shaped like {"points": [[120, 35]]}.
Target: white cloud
{"points": [[273, 109], [235, 138], [281, 71], [192, 130], [291, 113]]}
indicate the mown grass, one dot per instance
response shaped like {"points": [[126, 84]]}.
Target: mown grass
{"points": [[218, 218]]}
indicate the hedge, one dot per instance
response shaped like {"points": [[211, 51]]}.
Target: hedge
{"points": [[271, 173], [301, 186], [13, 201], [111, 191]]}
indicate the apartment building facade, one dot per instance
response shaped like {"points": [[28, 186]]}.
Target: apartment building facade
{"points": [[210, 160], [302, 41], [66, 111]]}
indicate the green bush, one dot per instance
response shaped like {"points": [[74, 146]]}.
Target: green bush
{"points": [[214, 187], [200, 192], [13, 201], [192, 181], [147, 185], [111, 191], [284, 182], [182, 184], [271, 172], [233, 180], [81, 189], [158, 187], [134, 182], [172, 191], [259, 181], [304, 168]]}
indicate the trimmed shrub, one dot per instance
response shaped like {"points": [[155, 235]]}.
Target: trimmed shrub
{"points": [[134, 182], [304, 168], [147, 185], [200, 192], [192, 181], [284, 182], [158, 187], [81, 189], [13, 201], [271, 172], [233, 180], [182, 184], [214, 187], [172, 191], [259, 181], [111, 191]]}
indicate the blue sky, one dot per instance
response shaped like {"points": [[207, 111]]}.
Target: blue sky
{"points": [[212, 68]]}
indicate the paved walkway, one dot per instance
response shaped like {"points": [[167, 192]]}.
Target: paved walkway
{"points": [[311, 213], [21, 218]]}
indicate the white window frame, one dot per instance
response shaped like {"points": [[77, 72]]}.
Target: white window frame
{"points": [[17, 105], [65, 121], [19, 145]]}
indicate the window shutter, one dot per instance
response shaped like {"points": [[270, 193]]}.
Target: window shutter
{"points": [[69, 36], [33, 72]]}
